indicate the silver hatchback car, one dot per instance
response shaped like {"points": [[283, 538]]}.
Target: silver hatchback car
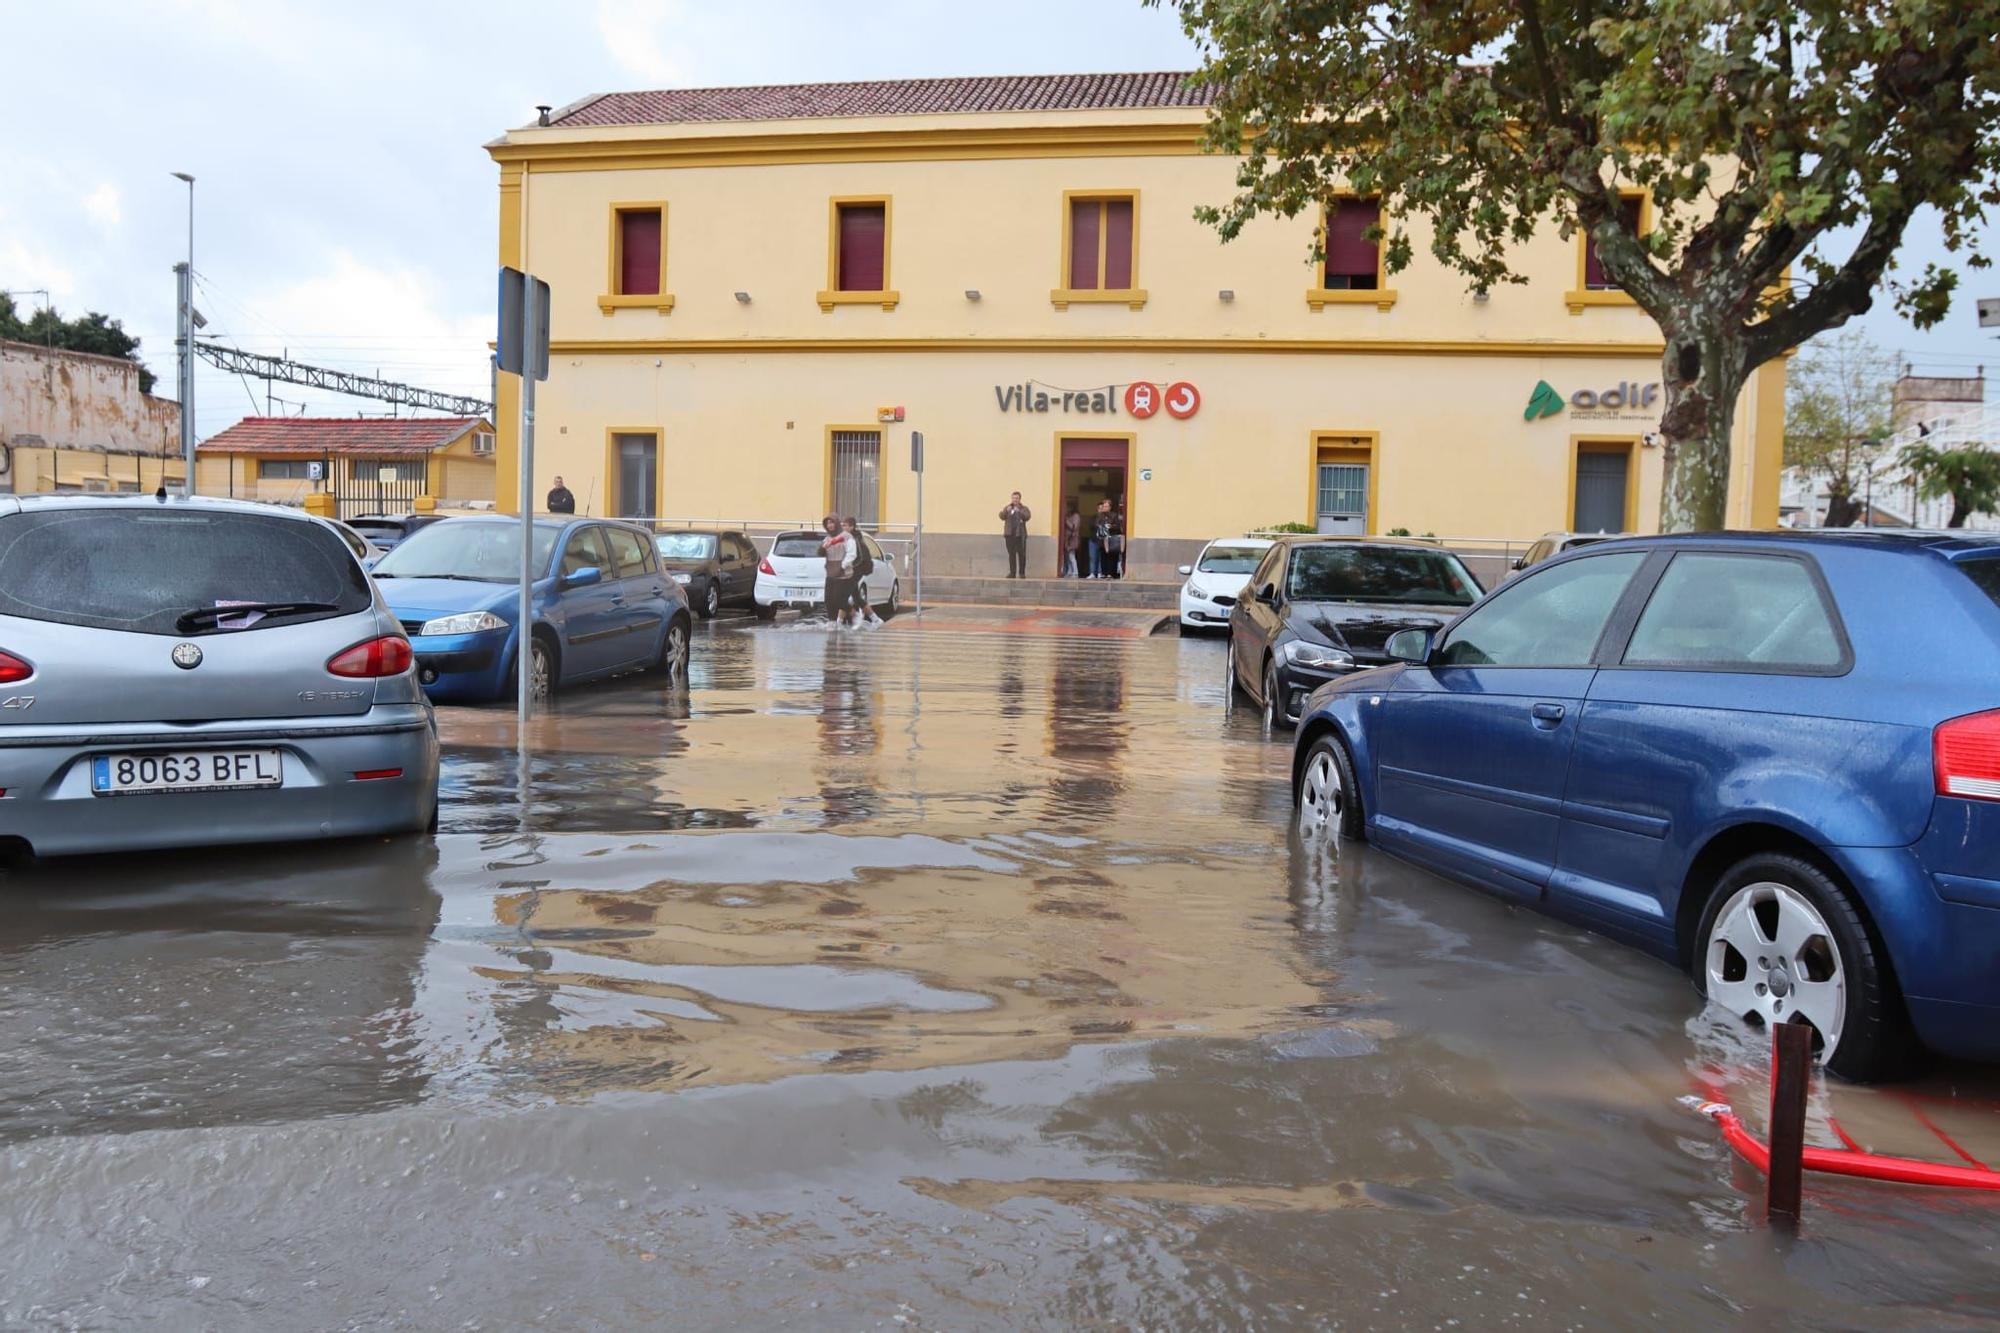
{"points": [[178, 673]]}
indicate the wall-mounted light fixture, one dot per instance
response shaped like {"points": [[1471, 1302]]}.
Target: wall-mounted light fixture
{"points": [[743, 298], [972, 293], [1226, 294]]}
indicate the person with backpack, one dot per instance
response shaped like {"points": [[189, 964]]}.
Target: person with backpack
{"points": [[838, 550], [864, 565]]}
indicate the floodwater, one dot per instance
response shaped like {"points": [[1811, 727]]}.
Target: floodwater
{"points": [[953, 975]]}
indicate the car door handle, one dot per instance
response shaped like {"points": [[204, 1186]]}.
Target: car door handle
{"points": [[1548, 716]]}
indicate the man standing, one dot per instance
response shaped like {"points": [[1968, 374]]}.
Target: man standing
{"points": [[560, 500], [1100, 540], [1014, 525], [838, 549]]}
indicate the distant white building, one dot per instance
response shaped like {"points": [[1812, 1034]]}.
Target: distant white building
{"points": [[1949, 412]]}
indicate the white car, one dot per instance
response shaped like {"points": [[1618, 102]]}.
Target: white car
{"points": [[1217, 578], [794, 575]]}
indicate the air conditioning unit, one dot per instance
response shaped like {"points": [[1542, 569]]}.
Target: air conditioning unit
{"points": [[482, 443]]}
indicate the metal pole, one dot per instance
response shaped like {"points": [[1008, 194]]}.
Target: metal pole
{"points": [[187, 344], [1791, 1075], [919, 561], [526, 615]]}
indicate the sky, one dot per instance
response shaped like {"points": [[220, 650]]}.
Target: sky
{"points": [[345, 211]]}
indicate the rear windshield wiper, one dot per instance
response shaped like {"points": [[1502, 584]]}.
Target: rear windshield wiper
{"points": [[210, 615]]}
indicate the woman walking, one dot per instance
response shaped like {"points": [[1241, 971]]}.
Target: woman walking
{"points": [[1072, 541]]}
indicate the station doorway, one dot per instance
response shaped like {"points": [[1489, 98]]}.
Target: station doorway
{"points": [[1092, 470]]}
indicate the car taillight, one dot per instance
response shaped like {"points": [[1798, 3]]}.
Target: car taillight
{"points": [[764, 567], [13, 669], [1967, 753], [387, 656]]}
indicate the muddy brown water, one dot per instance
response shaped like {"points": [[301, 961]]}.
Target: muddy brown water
{"points": [[924, 977]]}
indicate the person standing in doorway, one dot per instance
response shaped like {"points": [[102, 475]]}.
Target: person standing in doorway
{"points": [[1115, 561], [838, 551], [1014, 527], [864, 565], [1072, 540], [1100, 539], [560, 499]]}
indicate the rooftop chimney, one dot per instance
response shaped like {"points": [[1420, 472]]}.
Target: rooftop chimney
{"points": [[542, 114]]}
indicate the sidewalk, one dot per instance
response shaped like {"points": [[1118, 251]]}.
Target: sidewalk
{"points": [[1110, 593]]}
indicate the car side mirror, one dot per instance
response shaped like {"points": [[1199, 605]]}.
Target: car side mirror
{"points": [[1186, 570], [583, 578], [1410, 645], [1520, 562], [1268, 594]]}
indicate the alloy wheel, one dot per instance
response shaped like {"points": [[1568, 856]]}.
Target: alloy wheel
{"points": [[711, 603], [1270, 697], [1770, 957], [676, 654], [541, 673], [1321, 797]]}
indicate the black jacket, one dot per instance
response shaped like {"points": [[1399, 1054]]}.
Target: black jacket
{"points": [[561, 501]]}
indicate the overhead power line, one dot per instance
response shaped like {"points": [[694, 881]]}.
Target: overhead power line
{"points": [[339, 381]]}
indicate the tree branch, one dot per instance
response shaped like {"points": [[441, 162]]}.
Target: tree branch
{"points": [[1847, 293]]}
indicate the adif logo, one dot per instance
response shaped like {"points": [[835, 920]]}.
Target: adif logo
{"points": [[1543, 402], [1623, 396]]}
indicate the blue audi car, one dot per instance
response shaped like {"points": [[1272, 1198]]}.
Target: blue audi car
{"points": [[602, 605], [1772, 759]]}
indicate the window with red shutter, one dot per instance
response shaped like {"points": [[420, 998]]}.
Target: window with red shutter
{"points": [[1594, 277], [862, 236], [1100, 244], [1353, 262], [639, 252]]}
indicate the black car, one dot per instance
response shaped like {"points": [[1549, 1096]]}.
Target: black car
{"points": [[1318, 608], [715, 568], [388, 531]]}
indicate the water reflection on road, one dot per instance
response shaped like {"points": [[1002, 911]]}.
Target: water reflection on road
{"points": [[960, 978]]}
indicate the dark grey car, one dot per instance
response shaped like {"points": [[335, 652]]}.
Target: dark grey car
{"points": [[178, 673], [715, 568]]}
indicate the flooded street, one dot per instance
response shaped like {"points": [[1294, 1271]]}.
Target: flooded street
{"points": [[959, 974]]}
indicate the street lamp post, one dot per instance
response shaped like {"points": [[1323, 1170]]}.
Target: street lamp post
{"points": [[185, 341]]}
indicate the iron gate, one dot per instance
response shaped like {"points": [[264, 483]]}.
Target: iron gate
{"points": [[377, 484]]}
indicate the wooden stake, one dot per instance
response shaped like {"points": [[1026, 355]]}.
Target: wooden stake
{"points": [[1791, 1076]]}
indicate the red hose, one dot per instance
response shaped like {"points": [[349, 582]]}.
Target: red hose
{"points": [[1841, 1162]]}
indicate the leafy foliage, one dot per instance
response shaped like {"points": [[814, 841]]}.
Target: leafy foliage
{"points": [[1837, 415], [90, 332], [1756, 127], [1970, 476]]}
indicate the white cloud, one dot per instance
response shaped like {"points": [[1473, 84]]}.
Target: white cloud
{"points": [[634, 31], [105, 206]]}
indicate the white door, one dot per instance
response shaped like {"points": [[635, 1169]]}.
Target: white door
{"points": [[1343, 499]]}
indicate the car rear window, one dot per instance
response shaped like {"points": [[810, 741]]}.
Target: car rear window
{"points": [[1727, 611], [143, 569], [798, 545], [1985, 575]]}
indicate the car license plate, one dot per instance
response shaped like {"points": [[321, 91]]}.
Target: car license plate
{"points": [[186, 770], [803, 594]]}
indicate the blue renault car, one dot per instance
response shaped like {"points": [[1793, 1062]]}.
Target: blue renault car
{"points": [[1772, 759], [602, 605]]}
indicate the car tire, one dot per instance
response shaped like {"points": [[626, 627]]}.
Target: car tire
{"points": [[711, 601], [1231, 686], [1274, 712], [673, 659], [1327, 801], [544, 669], [1769, 903], [895, 602], [764, 612]]}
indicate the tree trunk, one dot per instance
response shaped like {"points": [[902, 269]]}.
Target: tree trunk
{"points": [[1840, 509], [1703, 373], [1960, 511]]}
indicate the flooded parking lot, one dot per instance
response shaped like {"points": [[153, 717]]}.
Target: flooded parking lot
{"points": [[954, 974]]}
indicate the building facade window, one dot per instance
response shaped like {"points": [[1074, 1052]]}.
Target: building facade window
{"points": [[854, 475], [284, 469], [1352, 272], [396, 469], [638, 267], [1593, 285], [1100, 259], [1604, 486], [857, 260]]}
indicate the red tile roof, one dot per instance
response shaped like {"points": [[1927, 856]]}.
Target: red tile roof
{"points": [[890, 97], [340, 435]]}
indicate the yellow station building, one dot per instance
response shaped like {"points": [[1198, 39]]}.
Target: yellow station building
{"points": [[759, 293]]}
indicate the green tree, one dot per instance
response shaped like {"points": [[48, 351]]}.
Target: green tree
{"points": [[1969, 475], [1756, 127], [1837, 415], [91, 332]]}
